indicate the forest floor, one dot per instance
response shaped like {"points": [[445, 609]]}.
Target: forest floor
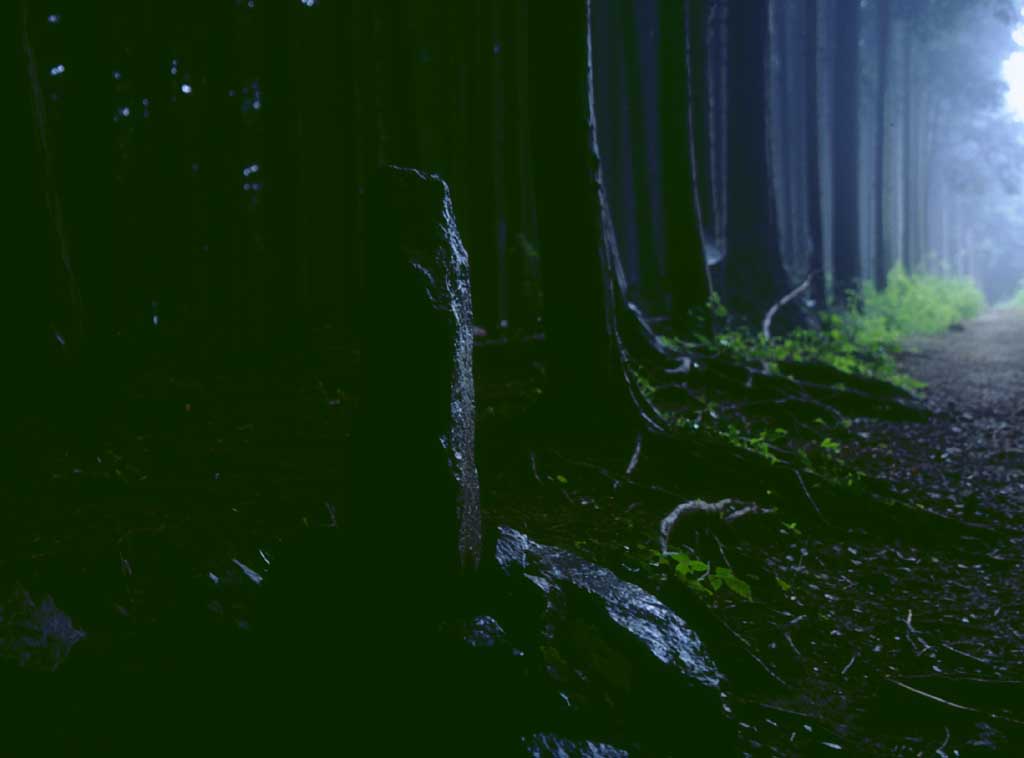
{"points": [[901, 645], [856, 636]]}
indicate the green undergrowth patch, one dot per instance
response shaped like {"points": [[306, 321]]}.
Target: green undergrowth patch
{"points": [[1017, 301], [846, 341], [711, 582], [909, 305]]}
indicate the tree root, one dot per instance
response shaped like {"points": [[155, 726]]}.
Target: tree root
{"points": [[719, 510]]}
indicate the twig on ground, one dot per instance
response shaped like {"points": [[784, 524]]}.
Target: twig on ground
{"points": [[807, 494], [912, 633], [794, 622], [721, 551], [959, 652], [533, 468], [636, 454], [849, 664]]}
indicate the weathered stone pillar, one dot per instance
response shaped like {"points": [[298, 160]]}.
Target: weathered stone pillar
{"points": [[418, 501]]}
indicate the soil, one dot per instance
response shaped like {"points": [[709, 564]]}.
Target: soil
{"points": [[858, 638], [869, 616]]}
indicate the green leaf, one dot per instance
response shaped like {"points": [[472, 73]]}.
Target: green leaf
{"points": [[783, 584], [698, 587], [561, 479], [738, 586]]}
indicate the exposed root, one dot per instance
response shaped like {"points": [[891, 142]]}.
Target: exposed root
{"points": [[719, 509], [766, 325]]}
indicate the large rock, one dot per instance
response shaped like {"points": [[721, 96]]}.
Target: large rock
{"points": [[419, 492], [593, 661]]}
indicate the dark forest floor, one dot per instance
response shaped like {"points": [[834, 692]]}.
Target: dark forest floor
{"points": [[857, 638], [878, 641]]}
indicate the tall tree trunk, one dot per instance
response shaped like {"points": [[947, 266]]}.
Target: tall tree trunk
{"points": [[221, 175], [718, 107], [700, 109], [882, 258], [612, 104], [282, 275], [780, 129], [637, 104], [486, 238], [587, 366], [754, 275], [88, 157], [44, 316], [846, 217], [518, 171], [816, 259], [687, 269], [910, 253]]}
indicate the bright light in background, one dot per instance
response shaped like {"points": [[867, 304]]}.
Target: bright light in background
{"points": [[1013, 73]]}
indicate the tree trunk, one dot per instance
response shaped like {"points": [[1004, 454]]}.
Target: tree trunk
{"points": [[587, 368], [518, 170], [221, 174], [638, 105], [486, 241], [754, 275], [39, 299], [282, 279], [684, 246], [910, 253], [846, 219], [700, 109], [816, 258], [881, 267]]}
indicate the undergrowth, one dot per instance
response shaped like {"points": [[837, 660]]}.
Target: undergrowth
{"points": [[1017, 301], [918, 304], [863, 339]]}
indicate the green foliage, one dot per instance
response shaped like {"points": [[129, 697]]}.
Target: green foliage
{"points": [[698, 576], [919, 304], [862, 339], [1017, 301], [761, 443]]}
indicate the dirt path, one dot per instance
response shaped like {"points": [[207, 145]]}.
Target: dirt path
{"points": [[975, 382], [899, 646]]}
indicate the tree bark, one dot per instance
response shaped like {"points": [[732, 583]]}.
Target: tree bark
{"points": [[755, 278], [638, 105], [281, 275], [587, 366], [881, 262], [910, 253], [684, 246], [41, 293], [816, 258], [518, 170], [221, 175], [846, 221], [700, 108]]}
